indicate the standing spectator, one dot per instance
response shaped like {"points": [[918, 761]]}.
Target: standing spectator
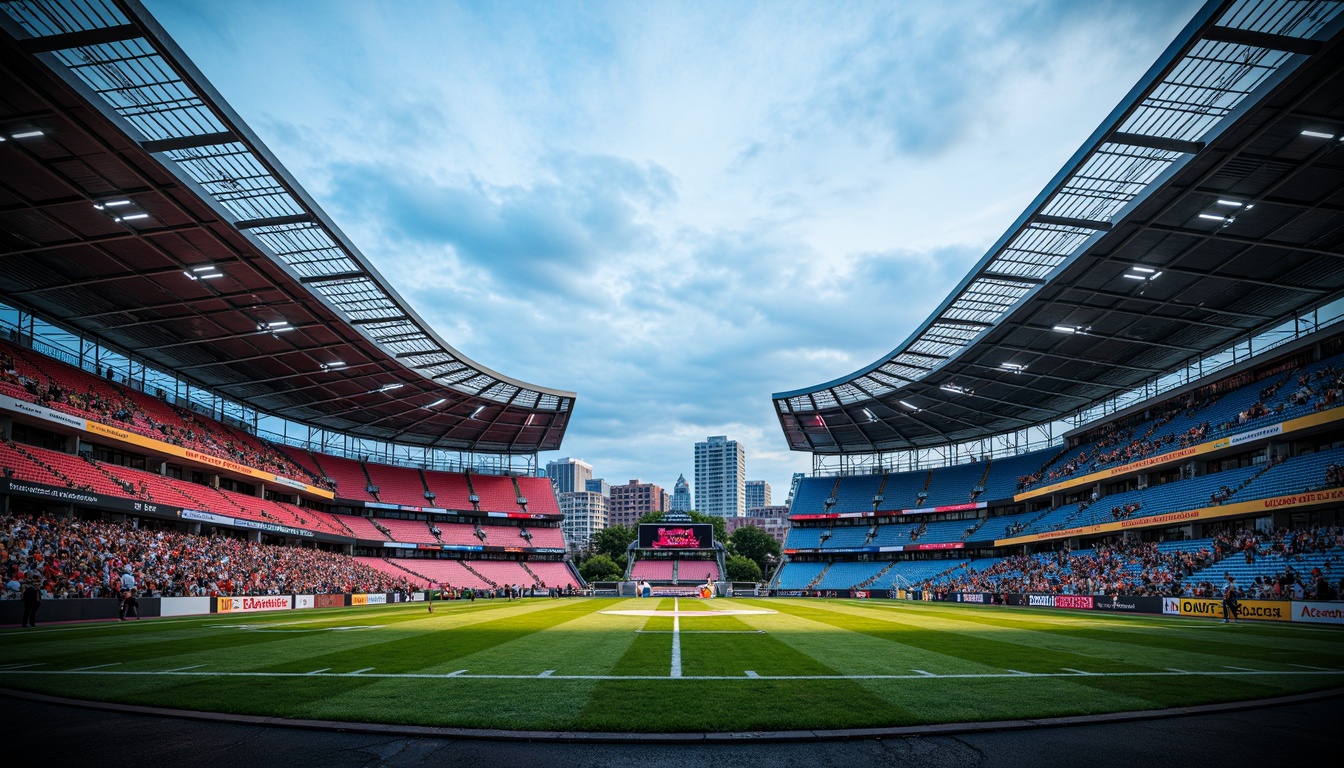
{"points": [[1230, 605], [32, 598]]}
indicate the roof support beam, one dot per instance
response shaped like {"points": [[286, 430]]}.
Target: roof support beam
{"points": [[1302, 45], [337, 277], [190, 142], [274, 221], [79, 39], [1069, 221], [1155, 142]]}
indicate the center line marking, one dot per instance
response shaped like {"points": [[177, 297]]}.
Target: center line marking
{"points": [[180, 669], [1306, 666], [366, 669], [1241, 669], [319, 671], [676, 638], [96, 666]]}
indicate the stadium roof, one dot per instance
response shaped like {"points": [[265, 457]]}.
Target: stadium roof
{"points": [[1209, 205], [136, 207]]}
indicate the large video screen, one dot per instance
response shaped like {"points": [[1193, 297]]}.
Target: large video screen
{"points": [[676, 536]]}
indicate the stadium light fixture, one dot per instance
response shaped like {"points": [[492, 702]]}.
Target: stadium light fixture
{"points": [[1134, 277], [913, 408], [205, 272], [1309, 134], [953, 388], [1014, 367], [279, 326], [870, 415], [27, 135], [1213, 217], [333, 366], [1231, 203], [437, 403], [132, 217], [1066, 329], [1144, 270], [477, 412], [390, 387], [111, 204]]}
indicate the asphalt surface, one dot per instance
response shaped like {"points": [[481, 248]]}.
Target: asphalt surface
{"points": [[44, 734]]}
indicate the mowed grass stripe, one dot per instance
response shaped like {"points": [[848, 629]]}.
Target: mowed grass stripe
{"points": [[688, 704], [1194, 646], [591, 643], [1002, 649]]}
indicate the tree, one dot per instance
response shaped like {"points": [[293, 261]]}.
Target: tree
{"points": [[600, 568], [743, 569], [720, 532], [757, 545], [613, 542]]}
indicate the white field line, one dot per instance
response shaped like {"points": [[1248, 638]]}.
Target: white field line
{"points": [[184, 669], [676, 639], [922, 673], [461, 675], [1239, 669], [1077, 671], [702, 631], [361, 671], [24, 666], [752, 673], [95, 666], [547, 673], [1308, 666], [317, 671]]}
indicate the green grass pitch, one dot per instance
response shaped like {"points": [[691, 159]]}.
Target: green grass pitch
{"points": [[576, 665]]}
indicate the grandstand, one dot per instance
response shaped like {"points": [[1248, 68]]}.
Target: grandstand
{"points": [[1148, 356], [238, 368]]}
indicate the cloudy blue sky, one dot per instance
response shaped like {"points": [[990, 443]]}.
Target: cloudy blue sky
{"points": [[674, 209]]}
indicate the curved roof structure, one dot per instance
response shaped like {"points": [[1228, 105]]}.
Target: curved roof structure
{"points": [[136, 207], [1209, 205]]}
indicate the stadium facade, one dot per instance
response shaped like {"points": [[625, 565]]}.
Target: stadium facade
{"points": [[1151, 349], [192, 342]]}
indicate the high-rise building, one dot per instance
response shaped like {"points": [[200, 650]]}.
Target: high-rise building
{"points": [[720, 477], [569, 475], [598, 485], [758, 494], [585, 514], [681, 495], [632, 501]]}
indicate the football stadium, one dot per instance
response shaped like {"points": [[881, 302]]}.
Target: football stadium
{"points": [[1102, 482]]}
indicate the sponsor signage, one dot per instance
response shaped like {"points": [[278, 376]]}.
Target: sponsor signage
{"points": [[1059, 601], [861, 594], [1260, 610], [1318, 613], [1171, 606], [85, 498], [417, 597], [208, 517], [359, 599], [305, 601], [252, 604], [893, 512], [970, 597], [935, 545], [259, 525], [1127, 603], [1292, 425], [376, 599], [330, 601], [36, 411]]}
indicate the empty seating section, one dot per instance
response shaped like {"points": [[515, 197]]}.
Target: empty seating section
{"points": [[410, 531], [799, 575], [450, 491], [803, 538], [36, 464], [903, 488], [846, 537], [660, 569], [443, 573], [397, 485], [547, 538], [350, 480], [363, 528], [554, 574], [502, 572], [697, 570], [504, 536], [850, 575], [391, 569], [856, 493], [496, 492], [539, 494], [812, 495], [953, 485], [1301, 473]]}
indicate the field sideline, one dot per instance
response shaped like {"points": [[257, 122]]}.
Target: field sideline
{"points": [[603, 664]]}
